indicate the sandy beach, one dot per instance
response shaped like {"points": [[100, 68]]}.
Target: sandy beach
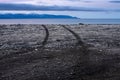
{"points": [[59, 52]]}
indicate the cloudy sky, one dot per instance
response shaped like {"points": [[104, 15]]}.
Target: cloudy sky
{"points": [[77, 8]]}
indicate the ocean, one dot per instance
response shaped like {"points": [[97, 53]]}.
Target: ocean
{"points": [[59, 21]]}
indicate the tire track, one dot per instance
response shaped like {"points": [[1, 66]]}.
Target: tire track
{"points": [[46, 37], [79, 41], [30, 49], [84, 47], [22, 59]]}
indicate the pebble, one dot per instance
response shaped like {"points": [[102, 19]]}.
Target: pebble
{"points": [[36, 49]]}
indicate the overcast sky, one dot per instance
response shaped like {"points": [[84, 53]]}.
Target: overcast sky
{"points": [[77, 8]]}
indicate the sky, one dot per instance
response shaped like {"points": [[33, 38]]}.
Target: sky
{"points": [[77, 8]]}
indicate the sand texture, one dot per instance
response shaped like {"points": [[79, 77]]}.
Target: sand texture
{"points": [[59, 52]]}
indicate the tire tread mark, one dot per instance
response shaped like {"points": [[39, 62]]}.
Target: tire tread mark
{"points": [[79, 42], [46, 37], [30, 49]]}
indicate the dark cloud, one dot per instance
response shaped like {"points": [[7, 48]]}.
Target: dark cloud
{"points": [[28, 7], [114, 1]]}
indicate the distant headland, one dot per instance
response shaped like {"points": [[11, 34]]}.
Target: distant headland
{"points": [[35, 16]]}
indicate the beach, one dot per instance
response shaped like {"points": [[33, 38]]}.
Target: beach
{"points": [[59, 52]]}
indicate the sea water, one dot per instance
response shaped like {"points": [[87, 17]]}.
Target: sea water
{"points": [[59, 21]]}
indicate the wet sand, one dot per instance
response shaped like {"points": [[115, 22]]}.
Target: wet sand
{"points": [[59, 52]]}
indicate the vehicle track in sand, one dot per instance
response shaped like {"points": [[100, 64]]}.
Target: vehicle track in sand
{"points": [[27, 60], [25, 56], [30, 49], [46, 36], [79, 41]]}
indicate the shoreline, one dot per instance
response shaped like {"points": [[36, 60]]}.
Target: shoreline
{"points": [[59, 21]]}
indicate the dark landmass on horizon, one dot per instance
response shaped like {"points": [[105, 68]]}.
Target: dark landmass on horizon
{"points": [[35, 16]]}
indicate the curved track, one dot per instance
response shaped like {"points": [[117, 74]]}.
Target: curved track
{"points": [[46, 37], [23, 57], [22, 64], [79, 41], [30, 49]]}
